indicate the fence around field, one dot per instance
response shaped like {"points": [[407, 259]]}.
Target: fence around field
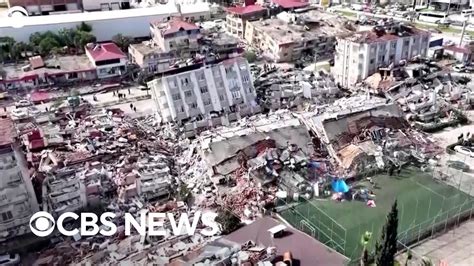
{"points": [[424, 218], [322, 227]]}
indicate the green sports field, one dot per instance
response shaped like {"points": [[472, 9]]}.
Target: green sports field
{"points": [[424, 206]]}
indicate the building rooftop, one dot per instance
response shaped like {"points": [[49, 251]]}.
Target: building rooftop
{"points": [[105, 51], [175, 25], [7, 131], [312, 25], [245, 10], [55, 65], [458, 49], [18, 22], [146, 47], [385, 33], [288, 4], [303, 248]]}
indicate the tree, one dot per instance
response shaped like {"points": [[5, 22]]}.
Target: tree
{"points": [[387, 247], [365, 239], [250, 56], [83, 38], [228, 221], [122, 41], [84, 27], [47, 44]]}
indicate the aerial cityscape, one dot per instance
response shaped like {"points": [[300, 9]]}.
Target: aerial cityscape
{"points": [[237, 132]]}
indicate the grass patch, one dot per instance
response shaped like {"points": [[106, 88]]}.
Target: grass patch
{"points": [[423, 204]]}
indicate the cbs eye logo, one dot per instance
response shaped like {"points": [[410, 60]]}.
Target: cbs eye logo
{"points": [[42, 224]]}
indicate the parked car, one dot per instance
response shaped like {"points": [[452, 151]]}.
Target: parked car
{"points": [[459, 68], [9, 259], [23, 103], [463, 150], [458, 165], [33, 111], [18, 113]]}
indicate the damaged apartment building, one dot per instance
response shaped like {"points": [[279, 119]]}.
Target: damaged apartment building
{"points": [[362, 54], [177, 43], [208, 96], [17, 197], [290, 36], [371, 132]]}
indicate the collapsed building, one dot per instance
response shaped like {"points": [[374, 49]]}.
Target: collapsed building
{"points": [[291, 37], [362, 132]]}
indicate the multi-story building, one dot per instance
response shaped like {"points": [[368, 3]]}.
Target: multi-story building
{"points": [[290, 37], [176, 36], [361, 54], [46, 7], [149, 57], [238, 16], [17, 197], [107, 58], [104, 5], [207, 96], [155, 180], [63, 192]]}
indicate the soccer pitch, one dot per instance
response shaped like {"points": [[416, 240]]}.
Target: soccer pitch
{"points": [[424, 207]]}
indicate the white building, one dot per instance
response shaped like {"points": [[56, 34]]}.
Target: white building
{"points": [[63, 192], [155, 179], [175, 35], [221, 90], [361, 54], [107, 58], [130, 22], [104, 5], [17, 197]]}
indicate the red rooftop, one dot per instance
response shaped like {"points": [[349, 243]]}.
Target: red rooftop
{"points": [[245, 10], [290, 4], [104, 51]]}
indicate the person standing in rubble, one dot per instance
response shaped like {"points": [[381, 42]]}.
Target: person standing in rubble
{"points": [[129, 91], [131, 106]]}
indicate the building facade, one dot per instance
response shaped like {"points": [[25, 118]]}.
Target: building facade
{"points": [[203, 96], [105, 5], [47, 7], [290, 37], [237, 18], [362, 54], [107, 58], [149, 57], [176, 36], [63, 192], [17, 197]]}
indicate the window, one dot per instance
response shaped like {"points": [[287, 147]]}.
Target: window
{"points": [[203, 89], [166, 106], [180, 109], [193, 105], [6, 216], [206, 101], [250, 90], [202, 77], [236, 94], [184, 81], [172, 83], [176, 97], [406, 43], [188, 94], [221, 97], [245, 78], [372, 61], [392, 57]]}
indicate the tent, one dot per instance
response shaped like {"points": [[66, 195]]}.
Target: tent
{"points": [[339, 185]]}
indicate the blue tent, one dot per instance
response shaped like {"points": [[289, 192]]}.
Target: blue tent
{"points": [[339, 185]]}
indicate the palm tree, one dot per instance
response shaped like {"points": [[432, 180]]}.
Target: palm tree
{"points": [[122, 41]]}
